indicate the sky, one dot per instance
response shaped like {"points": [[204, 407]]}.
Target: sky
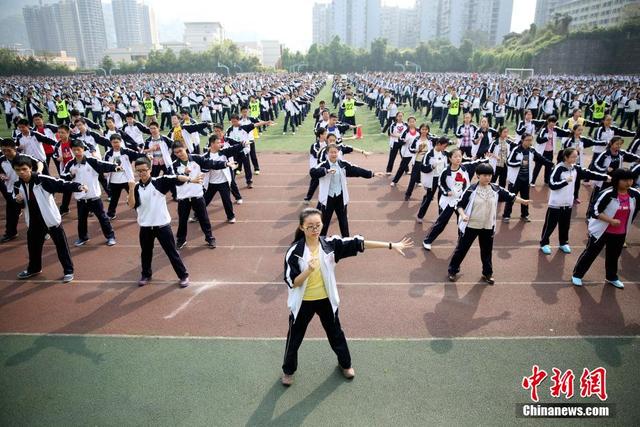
{"points": [[288, 21]]}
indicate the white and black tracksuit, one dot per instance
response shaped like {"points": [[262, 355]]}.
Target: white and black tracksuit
{"points": [[608, 203], [561, 196], [12, 208], [407, 152], [431, 167], [221, 181], [395, 144], [468, 234], [519, 176], [331, 251], [119, 181], [547, 137], [42, 218], [336, 199]]}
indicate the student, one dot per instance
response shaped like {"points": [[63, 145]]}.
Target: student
{"points": [[431, 167], [421, 145], [561, 198], [309, 272], [545, 146], [8, 178], [349, 106], [519, 175], [147, 197], [453, 112], [407, 154], [226, 143], [453, 182], [465, 134], [34, 192], [499, 154], [613, 212], [608, 161], [219, 181], [119, 181], [395, 144], [580, 143], [245, 119], [31, 143], [136, 130], [477, 211], [85, 170], [47, 130], [528, 125], [314, 160], [334, 195], [191, 195], [482, 139], [240, 133]]}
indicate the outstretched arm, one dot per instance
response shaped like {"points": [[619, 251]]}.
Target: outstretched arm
{"points": [[399, 247]]}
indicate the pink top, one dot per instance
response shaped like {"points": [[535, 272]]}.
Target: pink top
{"points": [[622, 214]]}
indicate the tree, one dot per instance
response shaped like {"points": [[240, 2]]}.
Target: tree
{"points": [[107, 63]]}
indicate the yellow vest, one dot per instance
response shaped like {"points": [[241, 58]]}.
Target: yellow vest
{"points": [[454, 106], [61, 107], [254, 109], [148, 108], [598, 110], [349, 107]]}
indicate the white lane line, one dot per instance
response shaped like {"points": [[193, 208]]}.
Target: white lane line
{"points": [[199, 290], [195, 283], [373, 339]]}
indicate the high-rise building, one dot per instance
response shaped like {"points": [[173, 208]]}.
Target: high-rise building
{"points": [[74, 26], [595, 13], [201, 35], [355, 22], [544, 11], [399, 26], [322, 19], [109, 26], [149, 27], [128, 22], [455, 20]]}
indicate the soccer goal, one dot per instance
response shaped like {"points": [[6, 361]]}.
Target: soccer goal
{"points": [[523, 73]]}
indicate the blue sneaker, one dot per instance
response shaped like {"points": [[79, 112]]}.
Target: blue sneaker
{"points": [[546, 249], [565, 248], [617, 283], [576, 281]]}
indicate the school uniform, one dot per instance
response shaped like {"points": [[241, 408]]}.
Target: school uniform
{"points": [[301, 311], [253, 154], [480, 204], [333, 194], [395, 144], [529, 127], [561, 197], [86, 171], [431, 167], [136, 131], [240, 134], [419, 155], [155, 223], [455, 182], [545, 146], [407, 153], [465, 134], [501, 149], [314, 152], [480, 148], [220, 180], [191, 195], [581, 145], [606, 160], [12, 208], [601, 234], [119, 181], [42, 217], [519, 175], [32, 145]]}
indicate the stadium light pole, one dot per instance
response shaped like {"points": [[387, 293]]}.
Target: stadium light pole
{"points": [[413, 64], [225, 67], [235, 65], [397, 64], [103, 70], [111, 70]]}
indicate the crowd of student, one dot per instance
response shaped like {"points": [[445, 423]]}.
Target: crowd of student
{"points": [[102, 132]]}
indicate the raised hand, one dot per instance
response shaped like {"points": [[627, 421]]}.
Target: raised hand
{"points": [[403, 244]]}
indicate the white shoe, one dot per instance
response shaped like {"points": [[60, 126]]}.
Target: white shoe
{"points": [[232, 220], [418, 220], [239, 202], [427, 246], [393, 184]]}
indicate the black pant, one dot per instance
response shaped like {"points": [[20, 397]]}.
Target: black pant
{"points": [[388, 124], [614, 244], [415, 178], [200, 210], [547, 167], [155, 172], [116, 190], [12, 213], [298, 327], [165, 237], [404, 167], [499, 122], [500, 176], [254, 156], [313, 186], [560, 217], [519, 116], [352, 121], [165, 118], [288, 120], [7, 118], [520, 187], [393, 153], [335, 204], [35, 241], [476, 112], [452, 123], [441, 223], [66, 199], [225, 195], [485, 238], [235, 191], [49, 158], [93, 205], [97, 117], [427, 198], [245, 164]]}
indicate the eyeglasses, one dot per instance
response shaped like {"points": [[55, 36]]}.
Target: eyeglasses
{"points": [[315, 227], [142, 170]]}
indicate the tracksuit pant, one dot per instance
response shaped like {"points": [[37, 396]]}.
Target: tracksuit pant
{"points": [[520, 187], [485, 238], [200, 211], [93, 205], [560, 217], [164, 235], [155, 172], [441, 223], [427, 198], [165, 118], [415, 178], [335, 204], [288, 120], [614, 244], [298, 327], [116, 191], [547, 168], [500, 176], [404, 167], [313, 186], [393, 153], [225, 194], [12, 213], [35, 241]]}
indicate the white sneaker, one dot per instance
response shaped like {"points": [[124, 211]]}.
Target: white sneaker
{"points": [[427, 246], [393, 184], [232, 220], [418, 220], [239, 202]]}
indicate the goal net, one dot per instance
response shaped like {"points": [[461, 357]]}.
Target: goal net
{"points": [[522, 73]]}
